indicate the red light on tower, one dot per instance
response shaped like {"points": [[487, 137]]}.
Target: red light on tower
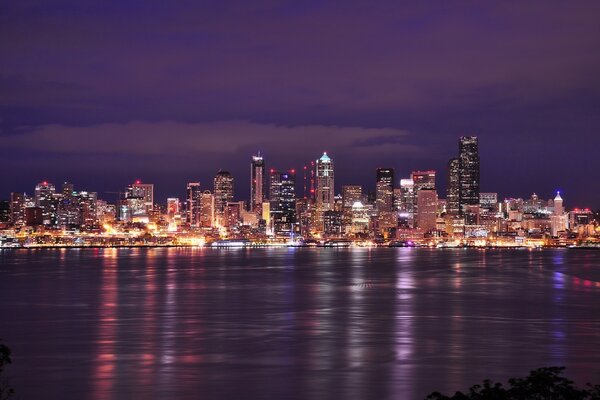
{"points": [[137, 182], [293, 171], [45, 183]]}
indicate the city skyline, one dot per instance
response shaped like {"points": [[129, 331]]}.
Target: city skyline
{"points": [[175, 91]]}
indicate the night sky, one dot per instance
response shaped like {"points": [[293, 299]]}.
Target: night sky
{"points": [[101, 93]]}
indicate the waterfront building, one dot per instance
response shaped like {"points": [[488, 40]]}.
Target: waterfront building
{"points": [[325, 183], [469, 171], [558, 219], [258, 183], [283, 201], [193, 196], [17, 208], [426, 209], [207, 209], [384, 190], [46, 200], [453, 188], [223, 193]]}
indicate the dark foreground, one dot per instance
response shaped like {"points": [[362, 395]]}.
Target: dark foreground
{"points": [[293, 323]]}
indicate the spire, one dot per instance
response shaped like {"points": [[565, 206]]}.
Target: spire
{"points": [[325, 157], [558, 196]]}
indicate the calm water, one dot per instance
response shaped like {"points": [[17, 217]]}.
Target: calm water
{"points": [[293, 323]]}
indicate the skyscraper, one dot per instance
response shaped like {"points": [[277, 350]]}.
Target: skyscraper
{"points": [[422, 180], [325, 183], [426, 209], [45, 199], [193, 203], [207, 209], [453, 188], [384, 190], [469, 171], [283, 201], [258, 184], [223, 193], [139, 200]]}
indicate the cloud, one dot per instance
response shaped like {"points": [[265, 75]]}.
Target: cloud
{"points": [[175, 139]]}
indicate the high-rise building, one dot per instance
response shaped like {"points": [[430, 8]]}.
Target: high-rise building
{"points": [[422, 180], [469, 171], [406, 203], [426, 209], [325, 183], [350, 195], [558, 219], [283, 201], [453, 188], [46, 200], [139, 200], [258, 183], [17, 208], [173, 205], [223, 193], [193, 195], [207, 209], [384, 190]]}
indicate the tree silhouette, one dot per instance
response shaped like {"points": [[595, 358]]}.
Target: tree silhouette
{"points": [[5, 390], [541, 384]]}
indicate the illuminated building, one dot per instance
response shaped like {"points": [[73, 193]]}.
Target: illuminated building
{"points": [[333, 223], [193, 195], [384, 189], [360, 218], [46, 200], [453, 188], [469, 171], [88, 213], [350, 195], [426, 209], [422, 180], [325, 183], [233, 215], [207, 209], [558, 219], [138, 202], [17, 208], [489, 202], [406, 203], [223, 193], [283, 201], [258, 183]]}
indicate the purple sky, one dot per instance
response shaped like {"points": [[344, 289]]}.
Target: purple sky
{"points": [[104, 92]]}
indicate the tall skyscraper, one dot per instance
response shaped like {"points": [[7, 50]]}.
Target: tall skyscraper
{"points": [[469, 171], [384, 190], [139, 200], [453, 188], [207, 209], [325, 183], [193, 203], [45, 199], [350, 195], [422, 180], [283, 201], [258, 183], [426, 209], [223, 193]]}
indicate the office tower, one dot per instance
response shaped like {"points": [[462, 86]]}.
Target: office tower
{"points": [[34, 216], [283, 201], [233, 215], [46, 200], [350, 195], [223, 192], [422, 180], [426, 209], [309, 181], [193, 195], [325, 183], [406, 203], [333, 223], [488, 203], [207, 209], [453, 188], [17, 208], [558, 219], [384, 190], [469, 171], [69, 213], [88, 211], [258, 183], [139, 200]]}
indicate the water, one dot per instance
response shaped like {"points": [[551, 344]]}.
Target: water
{"points": [[293, 323]]}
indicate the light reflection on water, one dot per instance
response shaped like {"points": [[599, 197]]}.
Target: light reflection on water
{"points": [[293, 323]]}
